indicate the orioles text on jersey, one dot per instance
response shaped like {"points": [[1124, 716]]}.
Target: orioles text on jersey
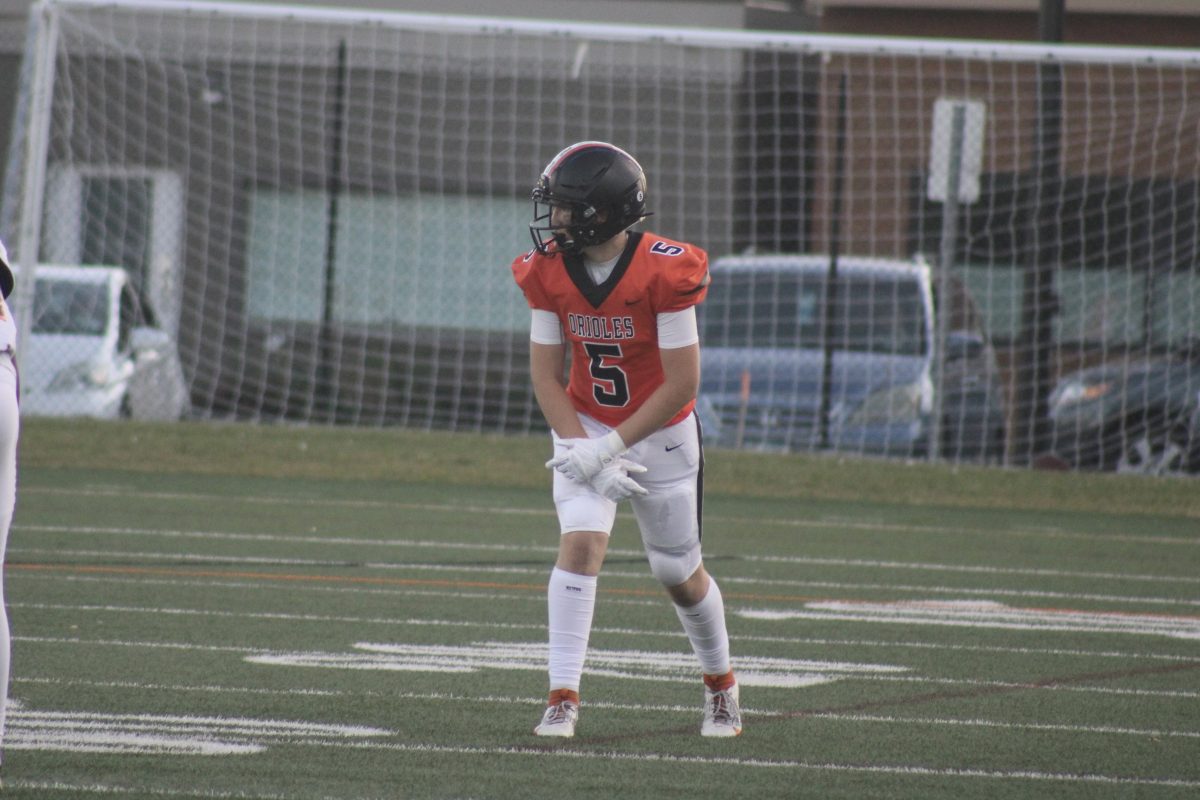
{"points": [[586, 326]]}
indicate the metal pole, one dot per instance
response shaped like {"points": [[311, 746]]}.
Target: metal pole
{"points": [[37, 144], [835, 241], [1040, 303], [326, 390], [945, 262]]}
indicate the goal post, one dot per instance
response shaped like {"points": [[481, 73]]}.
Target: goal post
{"points": [[321, 205]]}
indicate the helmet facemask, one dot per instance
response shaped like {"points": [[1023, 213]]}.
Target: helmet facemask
{"points": [[586, 227]]}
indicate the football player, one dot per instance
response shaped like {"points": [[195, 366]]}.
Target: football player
{"points": [[623, 303], [9, 427]]}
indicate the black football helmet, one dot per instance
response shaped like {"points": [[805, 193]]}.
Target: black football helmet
{"points": [[603, 187]]}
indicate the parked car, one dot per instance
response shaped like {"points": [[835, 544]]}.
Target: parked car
{"points": [[94, 351], [1139, 414], [764, 361]]}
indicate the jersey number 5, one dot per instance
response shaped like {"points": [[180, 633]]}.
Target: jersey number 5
{"points": [[611, 387]]}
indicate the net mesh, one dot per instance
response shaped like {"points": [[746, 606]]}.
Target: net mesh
{"points": [[320, 209]]}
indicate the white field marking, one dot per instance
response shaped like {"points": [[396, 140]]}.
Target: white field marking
{"points": [[966, 568], [902, 770], [1104, 730], [186, 558], [897, 527], [268, 615], [58, 787], [960, 590], [197, 558], [537, 701], [338, 541], [907, 770], [283, 586], [645, 575], [987, 615], [516, 570], [838, 562], [835, 522], [205, 648], [838, 523], [290, 501], [83, 732], [138, 686], [507, 700], [635, 664], [1174, 694], [341, 541], [539, 599], [394, 621], [250, 651]]}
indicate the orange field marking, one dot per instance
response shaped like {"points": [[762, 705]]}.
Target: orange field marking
{"points": [[466, 584], [362, 579]]}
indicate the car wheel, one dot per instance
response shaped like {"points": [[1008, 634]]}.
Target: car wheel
{"points": [[1154, 452]]}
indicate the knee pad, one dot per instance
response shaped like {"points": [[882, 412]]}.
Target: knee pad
{"points": [[673, 567], [670, 525]]}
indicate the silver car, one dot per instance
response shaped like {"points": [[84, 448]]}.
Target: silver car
{"points": [[91, 352]]}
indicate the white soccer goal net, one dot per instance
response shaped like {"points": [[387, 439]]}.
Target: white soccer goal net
{"points": [[964, 250]]}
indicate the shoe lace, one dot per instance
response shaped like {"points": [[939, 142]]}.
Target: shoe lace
{"points": [[559, 712], [720, 708]]}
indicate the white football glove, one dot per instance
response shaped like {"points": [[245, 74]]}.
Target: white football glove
{"points": [[614, 482], [586, 457]]}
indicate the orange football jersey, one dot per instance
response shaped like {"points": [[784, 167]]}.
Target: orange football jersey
{"points": [[613, 327]]}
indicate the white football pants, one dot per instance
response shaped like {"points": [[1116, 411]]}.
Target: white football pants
{"points": [[9, 430]]}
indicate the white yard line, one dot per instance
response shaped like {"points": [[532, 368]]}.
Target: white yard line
{"points": [[998, 616], [983, 616], [599, 630], [541, 571], [538, 701], [282, 538], [111, 790], [902, 770], [968, 569], [824, 523], [896, 769], [258, 652]]}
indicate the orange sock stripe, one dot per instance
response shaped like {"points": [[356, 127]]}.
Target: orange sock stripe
{"points": [[720, 683], [561, 695]]}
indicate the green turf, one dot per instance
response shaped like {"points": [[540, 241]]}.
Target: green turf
{"points": [[343, 614]]}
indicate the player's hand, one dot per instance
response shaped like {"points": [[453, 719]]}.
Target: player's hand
{"points": [[583, 458], [614, 482]]}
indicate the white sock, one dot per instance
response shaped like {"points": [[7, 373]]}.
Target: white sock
{"points": [[704, 624], [570, 600]]}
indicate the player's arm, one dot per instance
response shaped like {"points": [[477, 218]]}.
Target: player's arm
{"points": [[546, 368], [547, 362], [681, 381]]}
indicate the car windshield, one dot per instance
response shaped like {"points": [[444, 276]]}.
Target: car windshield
{"points": [[70, 307], [769, 308]]}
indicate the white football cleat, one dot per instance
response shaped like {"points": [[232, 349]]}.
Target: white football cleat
{"points": [[722, 713], [560, 716]]}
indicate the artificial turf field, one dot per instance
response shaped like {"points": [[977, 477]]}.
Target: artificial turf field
{"points": [[264, 612]]}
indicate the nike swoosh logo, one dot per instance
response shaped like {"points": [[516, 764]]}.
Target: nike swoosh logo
{"points": [[675, 447], [633, 302]]}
